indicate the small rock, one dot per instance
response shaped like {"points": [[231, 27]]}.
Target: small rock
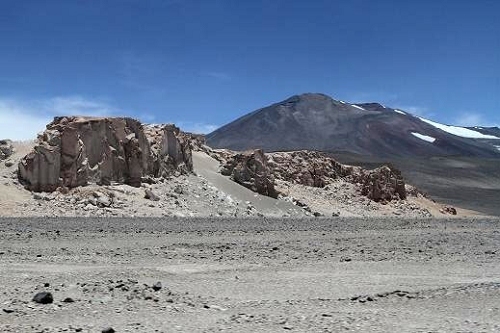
{"points": [[108, 330], [8, 310], [103, 201], [43, 297], [151, 195], [68, 300], [178, 189], [157, 286], [38, 196], [448, 210]]}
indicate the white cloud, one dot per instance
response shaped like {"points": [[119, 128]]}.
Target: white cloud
{"points": [[18, 123], [415, 110], [197, 128], [23, 120], [470, 119], [77, 105]]}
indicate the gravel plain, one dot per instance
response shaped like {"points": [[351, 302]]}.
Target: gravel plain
{"points": [[250, 275]]}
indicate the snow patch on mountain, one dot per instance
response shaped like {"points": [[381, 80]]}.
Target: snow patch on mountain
{"points": [[497, 147], [459, 131], [357, 107], [400, 112], [424, 137]]}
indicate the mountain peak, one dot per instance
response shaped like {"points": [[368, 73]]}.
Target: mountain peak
{"points": [[315, 121], [372, 106], [305, 97]]}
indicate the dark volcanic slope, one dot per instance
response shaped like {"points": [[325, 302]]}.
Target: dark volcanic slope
{"points": [[318, 122]]}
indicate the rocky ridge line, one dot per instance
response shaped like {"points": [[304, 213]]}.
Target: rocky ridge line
{"points": [[258, 172]]}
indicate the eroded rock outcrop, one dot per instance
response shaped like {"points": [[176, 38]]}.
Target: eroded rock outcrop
{"points": [[75, 151], [307, 168], [170, 149], [6, 149], [382, 184], [251, 170]]}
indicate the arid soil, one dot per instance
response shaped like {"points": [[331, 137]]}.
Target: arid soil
{"points": [[250, 275]]}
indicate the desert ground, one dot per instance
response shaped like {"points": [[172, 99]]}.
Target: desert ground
{"points": [[250, 275]]}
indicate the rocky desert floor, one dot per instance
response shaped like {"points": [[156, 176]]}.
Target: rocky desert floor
{"points": [[250, 275]]}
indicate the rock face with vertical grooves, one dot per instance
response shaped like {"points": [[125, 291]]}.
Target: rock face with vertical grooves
{"points": [[76, 151]]}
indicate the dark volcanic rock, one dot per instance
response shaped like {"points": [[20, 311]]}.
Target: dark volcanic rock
{"points": [[448, 210], [43, 297], [157, 286], [250, 169], [75, 151]]}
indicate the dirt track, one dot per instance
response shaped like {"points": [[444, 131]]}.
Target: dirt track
{"points": [[316, 275]]}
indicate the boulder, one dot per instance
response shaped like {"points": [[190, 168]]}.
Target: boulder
{"points": [[149, 194], [6, 149], [76, 151], [448, 210], [251, 170]]}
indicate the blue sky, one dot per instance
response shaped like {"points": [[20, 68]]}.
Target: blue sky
{"points": [[203, 63]]}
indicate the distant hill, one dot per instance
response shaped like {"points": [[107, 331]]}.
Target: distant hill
{"points": [[319, 122]]}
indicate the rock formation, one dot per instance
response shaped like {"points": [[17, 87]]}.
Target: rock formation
{"points": [[257, 171], [6, 149], [170, 149], [309, 168], [75, 151], [382, 184], [251, 170]]}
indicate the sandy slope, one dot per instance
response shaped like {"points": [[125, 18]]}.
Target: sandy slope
{"points": [[207, 167], [241, 275]]}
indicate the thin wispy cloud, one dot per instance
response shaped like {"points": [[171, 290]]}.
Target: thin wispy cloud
{"points": [[470, 119], [77, 105], [24, 119], [196, 127], [416, 110]]}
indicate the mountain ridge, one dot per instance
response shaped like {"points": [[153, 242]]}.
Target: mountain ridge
{"points": [[315, 121]]}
